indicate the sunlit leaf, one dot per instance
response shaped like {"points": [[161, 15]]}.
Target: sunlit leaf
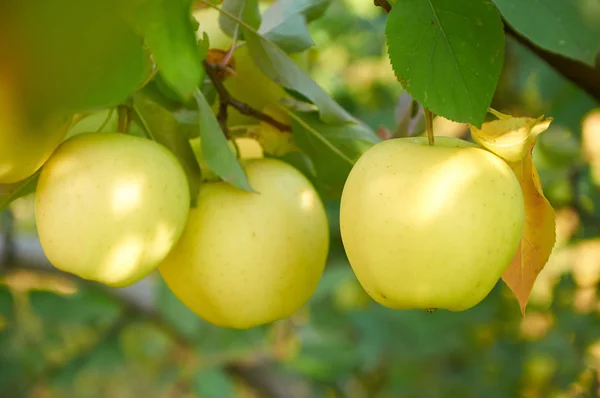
{"points": [[169, 32], [71, 50], [278, 66], [246, 10], [447, 54], [164, 128], [570, 28], [285, 23]]}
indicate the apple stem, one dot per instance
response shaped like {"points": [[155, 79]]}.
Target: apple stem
{"points": [[125, 116], [429, 126]]}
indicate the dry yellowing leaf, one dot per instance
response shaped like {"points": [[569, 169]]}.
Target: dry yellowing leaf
{"points": [[513, 140], [539, 235], [510, 138]]}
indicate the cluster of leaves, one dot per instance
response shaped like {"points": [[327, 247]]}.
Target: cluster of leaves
{"points": [[449, 55]]}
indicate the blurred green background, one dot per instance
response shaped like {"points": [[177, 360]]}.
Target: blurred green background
{"points": [[60, 337]]}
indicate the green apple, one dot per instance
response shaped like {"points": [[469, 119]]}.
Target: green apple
{"points": [[429, 227], [109, 207], [247, 259], [26, 142]]}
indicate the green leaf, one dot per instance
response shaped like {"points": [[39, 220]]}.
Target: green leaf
{"points": [[333, 148], [279, 67], [164, 128], [145, 343], [290, 34], [107, 357], [214, 342], [175, 312], [329, 359], [86, 306], [285, 23], [7, 309], [246, 10], [447, 54], [213, 383], [215, 149], [312, 9], [168, 29], [570, 28], [12, 192], [74, 48]]}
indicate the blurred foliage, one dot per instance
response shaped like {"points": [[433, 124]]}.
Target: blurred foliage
{"points": [[64, 338]]}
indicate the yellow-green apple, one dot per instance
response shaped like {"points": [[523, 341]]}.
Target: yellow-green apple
{"points": [[109, 206], [428, 227], [247, 259]]}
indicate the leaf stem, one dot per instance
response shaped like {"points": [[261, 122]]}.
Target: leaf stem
{"points": [[429, 126], [226, 100]]}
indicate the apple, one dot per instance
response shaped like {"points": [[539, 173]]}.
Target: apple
{"points": [[109, 206], [247, 259], [26, 142], [430, 227]]}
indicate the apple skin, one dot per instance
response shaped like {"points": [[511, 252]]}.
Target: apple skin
{"points": [[430, 227], [248, 259], [109, 206], [25, 142]]}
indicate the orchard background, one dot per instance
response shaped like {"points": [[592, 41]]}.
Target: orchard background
{"points": [[65, 337]]}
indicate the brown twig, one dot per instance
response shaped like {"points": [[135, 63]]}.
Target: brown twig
{"points": [[584, 76], [226, 100]]}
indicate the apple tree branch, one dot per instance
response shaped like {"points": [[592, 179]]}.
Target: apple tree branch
{"points": [[226, 100]]}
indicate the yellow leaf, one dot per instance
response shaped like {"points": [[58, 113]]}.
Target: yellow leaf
{"points": [[539, 235], [510, 138], [513, 139]]}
